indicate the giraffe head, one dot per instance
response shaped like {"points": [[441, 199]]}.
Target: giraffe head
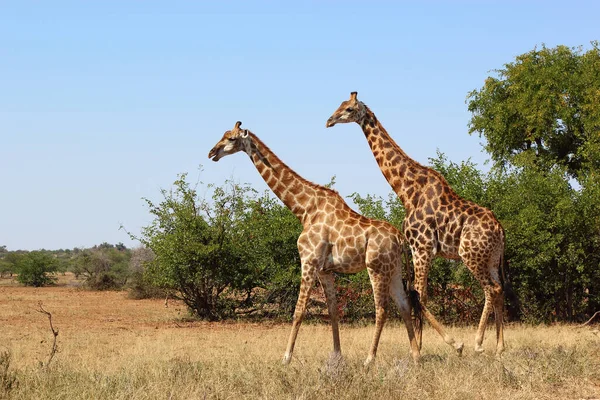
{"points": [[350, 110], [232, 141]]}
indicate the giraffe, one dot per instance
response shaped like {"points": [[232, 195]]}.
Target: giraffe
{"points": [[438, 222], [334, 239]]}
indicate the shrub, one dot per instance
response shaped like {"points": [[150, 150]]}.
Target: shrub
{"points": [[33, 269]]}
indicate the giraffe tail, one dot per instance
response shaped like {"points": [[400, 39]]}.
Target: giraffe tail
{"points": [[415, 304], [413, 296], [513, 306]]}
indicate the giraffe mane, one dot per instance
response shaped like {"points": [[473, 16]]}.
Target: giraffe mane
{"points": [[316, 186]]}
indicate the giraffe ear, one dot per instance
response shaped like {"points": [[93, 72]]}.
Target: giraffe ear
{"points": [[244, 133], [353, 95]]}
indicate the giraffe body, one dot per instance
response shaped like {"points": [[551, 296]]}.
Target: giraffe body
{"points": [[438, 222], [334, 239]]}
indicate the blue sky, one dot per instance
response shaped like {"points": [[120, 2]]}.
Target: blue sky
{"points": [[103, 103]]}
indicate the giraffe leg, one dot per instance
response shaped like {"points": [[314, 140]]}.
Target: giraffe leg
{"points": [[499, 314], [498, 298], [421, 265], [487, 308], [494, 300], [327, 280], [400, 297], [308, 278], [489, 278], [380, 283]]}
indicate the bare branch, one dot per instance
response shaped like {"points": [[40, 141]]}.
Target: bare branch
{"points": [[589, 320], [54, 334]]}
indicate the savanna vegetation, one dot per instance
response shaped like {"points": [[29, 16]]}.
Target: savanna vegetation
{"points": [[234, 254], [110, 346], [233, 257]]}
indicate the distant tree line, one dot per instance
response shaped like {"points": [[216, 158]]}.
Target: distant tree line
{"points": [[100, 267], [234, 254]]}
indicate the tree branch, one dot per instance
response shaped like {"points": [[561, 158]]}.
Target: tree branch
{"points": [[54, 333], [589, 320]]}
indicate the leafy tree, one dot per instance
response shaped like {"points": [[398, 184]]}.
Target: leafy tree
{"points": [[6, 268], [200, 252], [103, 267], [540, 214], [541, 119], [139, 284], [273, 231], [546, 103], [34, 268], [588, 219]]}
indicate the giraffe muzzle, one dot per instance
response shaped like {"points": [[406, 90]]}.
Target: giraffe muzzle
{"points": [[214, 154], [330, 122]]}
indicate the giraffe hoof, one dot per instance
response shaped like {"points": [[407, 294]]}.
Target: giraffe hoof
{"points": [[416, 359], [286, 359], [459, 348], [478, 349]]}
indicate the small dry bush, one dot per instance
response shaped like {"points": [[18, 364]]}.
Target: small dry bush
{"points": [[8, 379]]}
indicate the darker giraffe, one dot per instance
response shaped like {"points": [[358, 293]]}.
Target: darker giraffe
{"points": [[334, 239], [438, 222]]}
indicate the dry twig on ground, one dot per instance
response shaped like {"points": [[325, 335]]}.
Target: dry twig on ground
{"points": [[54, 333]]}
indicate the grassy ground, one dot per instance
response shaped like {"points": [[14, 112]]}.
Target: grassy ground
{"points": [[111, 347]]}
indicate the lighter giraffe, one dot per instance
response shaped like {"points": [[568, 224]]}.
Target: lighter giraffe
{"points": [[438, 222], [334, 239]]}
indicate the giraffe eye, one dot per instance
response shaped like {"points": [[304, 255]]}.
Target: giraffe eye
{"points": [[349, 109], [232, 139]]}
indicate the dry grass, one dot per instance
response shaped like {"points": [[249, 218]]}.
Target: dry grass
{"points": [[111, 347]]}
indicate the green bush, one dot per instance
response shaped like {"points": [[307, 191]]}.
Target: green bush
{"points": [[104, 267], [34, 268]]}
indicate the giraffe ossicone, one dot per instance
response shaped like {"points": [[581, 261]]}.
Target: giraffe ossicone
{"points": [[334, 238], [438, 222]]}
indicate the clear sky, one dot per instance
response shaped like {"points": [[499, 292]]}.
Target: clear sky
{"points": [[105, 102]]}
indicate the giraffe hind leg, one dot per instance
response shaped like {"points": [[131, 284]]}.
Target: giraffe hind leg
{"points": [[499, 314], [494, 300], [380, 283], [401, 299], [328, 282]]}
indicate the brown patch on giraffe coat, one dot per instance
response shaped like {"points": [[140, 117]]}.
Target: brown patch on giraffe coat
{"points": [[401, 170], [302, 197], [429, 193]]}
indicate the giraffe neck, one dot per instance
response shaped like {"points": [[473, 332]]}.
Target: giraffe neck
{"points": [[287, 185], [401, 171]]}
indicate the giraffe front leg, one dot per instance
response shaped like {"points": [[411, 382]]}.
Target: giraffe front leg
{"points": [[308, 278], [327, 280], [422, 260]]}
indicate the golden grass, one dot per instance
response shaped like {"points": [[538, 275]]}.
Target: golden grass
{"points": [[112, 347]]}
